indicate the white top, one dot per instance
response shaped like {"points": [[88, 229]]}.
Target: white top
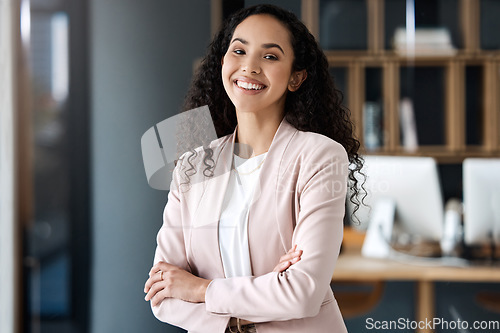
{"points": [[233, 224]]}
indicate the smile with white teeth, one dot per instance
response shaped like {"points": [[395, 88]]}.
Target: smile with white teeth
{"points": [[249, 86]]}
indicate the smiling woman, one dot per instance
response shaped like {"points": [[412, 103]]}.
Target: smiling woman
{"points": [[254, 247]]}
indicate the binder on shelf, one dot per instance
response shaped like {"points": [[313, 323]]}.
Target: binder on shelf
{"points": [[424, 41], [372, 127], [408, 125]]}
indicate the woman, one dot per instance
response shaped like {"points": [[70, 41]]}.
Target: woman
{"points": [[275, 180]]}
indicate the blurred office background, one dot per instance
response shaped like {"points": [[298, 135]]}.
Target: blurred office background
{"points": [[81, 82]]}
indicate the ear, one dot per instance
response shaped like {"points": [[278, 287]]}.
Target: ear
{"points": [[296, 80]]}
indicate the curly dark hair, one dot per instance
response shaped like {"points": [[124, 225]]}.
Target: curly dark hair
{"points": [[315, 107]]}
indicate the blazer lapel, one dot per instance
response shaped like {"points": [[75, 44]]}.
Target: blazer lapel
{"points": [[207, 216], [262, 216]]}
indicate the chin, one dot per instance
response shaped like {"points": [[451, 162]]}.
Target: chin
{"points": [[245, 105], [248, 109]]}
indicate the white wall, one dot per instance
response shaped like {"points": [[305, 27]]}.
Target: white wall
{"points": [[141, 62]]}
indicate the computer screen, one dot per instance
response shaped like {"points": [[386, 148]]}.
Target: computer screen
{"points": [[481, 181], [412, 183]]}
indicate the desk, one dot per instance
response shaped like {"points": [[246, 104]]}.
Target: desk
{"points": [[351, 266]]}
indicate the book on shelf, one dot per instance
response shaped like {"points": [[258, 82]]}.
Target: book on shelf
{"points": [[408, 125], [423, 41], [372, 125]]}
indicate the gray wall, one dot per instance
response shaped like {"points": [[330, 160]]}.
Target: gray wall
{"points": [[141, 63]]}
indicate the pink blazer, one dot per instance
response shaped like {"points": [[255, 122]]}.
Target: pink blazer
{"points": [[300, 201]]}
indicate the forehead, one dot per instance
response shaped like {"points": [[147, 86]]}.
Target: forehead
{"points": [[263, 28]]}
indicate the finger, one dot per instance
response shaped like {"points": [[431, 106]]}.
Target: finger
{"points": [[282, 266], [155, 288], [290, 256], [287, 264], [295, 260], [159, 297], [160, 266], [154, 270], [157, 277], [286, 257], [292, 249]]}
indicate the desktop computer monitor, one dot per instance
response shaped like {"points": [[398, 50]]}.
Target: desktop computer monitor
{"points": [[410, 185], [481, 184]]}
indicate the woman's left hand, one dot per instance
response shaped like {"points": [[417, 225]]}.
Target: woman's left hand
{"points": [[291, 257], [169, 281]]}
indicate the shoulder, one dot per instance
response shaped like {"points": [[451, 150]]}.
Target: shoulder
{"points": [[317, 160], [316, 146]]}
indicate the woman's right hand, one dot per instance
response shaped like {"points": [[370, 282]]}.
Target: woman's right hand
{"points": [[287, 260]]}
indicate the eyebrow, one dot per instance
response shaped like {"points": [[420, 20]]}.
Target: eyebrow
{"points": [[265, 45]]}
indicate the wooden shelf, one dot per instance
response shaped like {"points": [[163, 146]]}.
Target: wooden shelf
{"points": [[343, 58]]}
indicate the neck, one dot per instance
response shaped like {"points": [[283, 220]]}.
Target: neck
{"points": [[255, 133]]}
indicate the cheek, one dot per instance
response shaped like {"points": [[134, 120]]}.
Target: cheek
{"points": [[227, 66], [226, 73], [281, 77]]}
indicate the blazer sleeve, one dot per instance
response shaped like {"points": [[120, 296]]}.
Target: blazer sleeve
{"points": [[300, 290], [171, 248]]}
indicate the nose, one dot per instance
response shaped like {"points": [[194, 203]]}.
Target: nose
{"points": [[251, 65]]}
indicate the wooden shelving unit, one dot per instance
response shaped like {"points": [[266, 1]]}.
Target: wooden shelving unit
{"points": [[454, 147]]}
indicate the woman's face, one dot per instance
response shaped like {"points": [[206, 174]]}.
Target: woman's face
{"points": [[257, 67]]}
